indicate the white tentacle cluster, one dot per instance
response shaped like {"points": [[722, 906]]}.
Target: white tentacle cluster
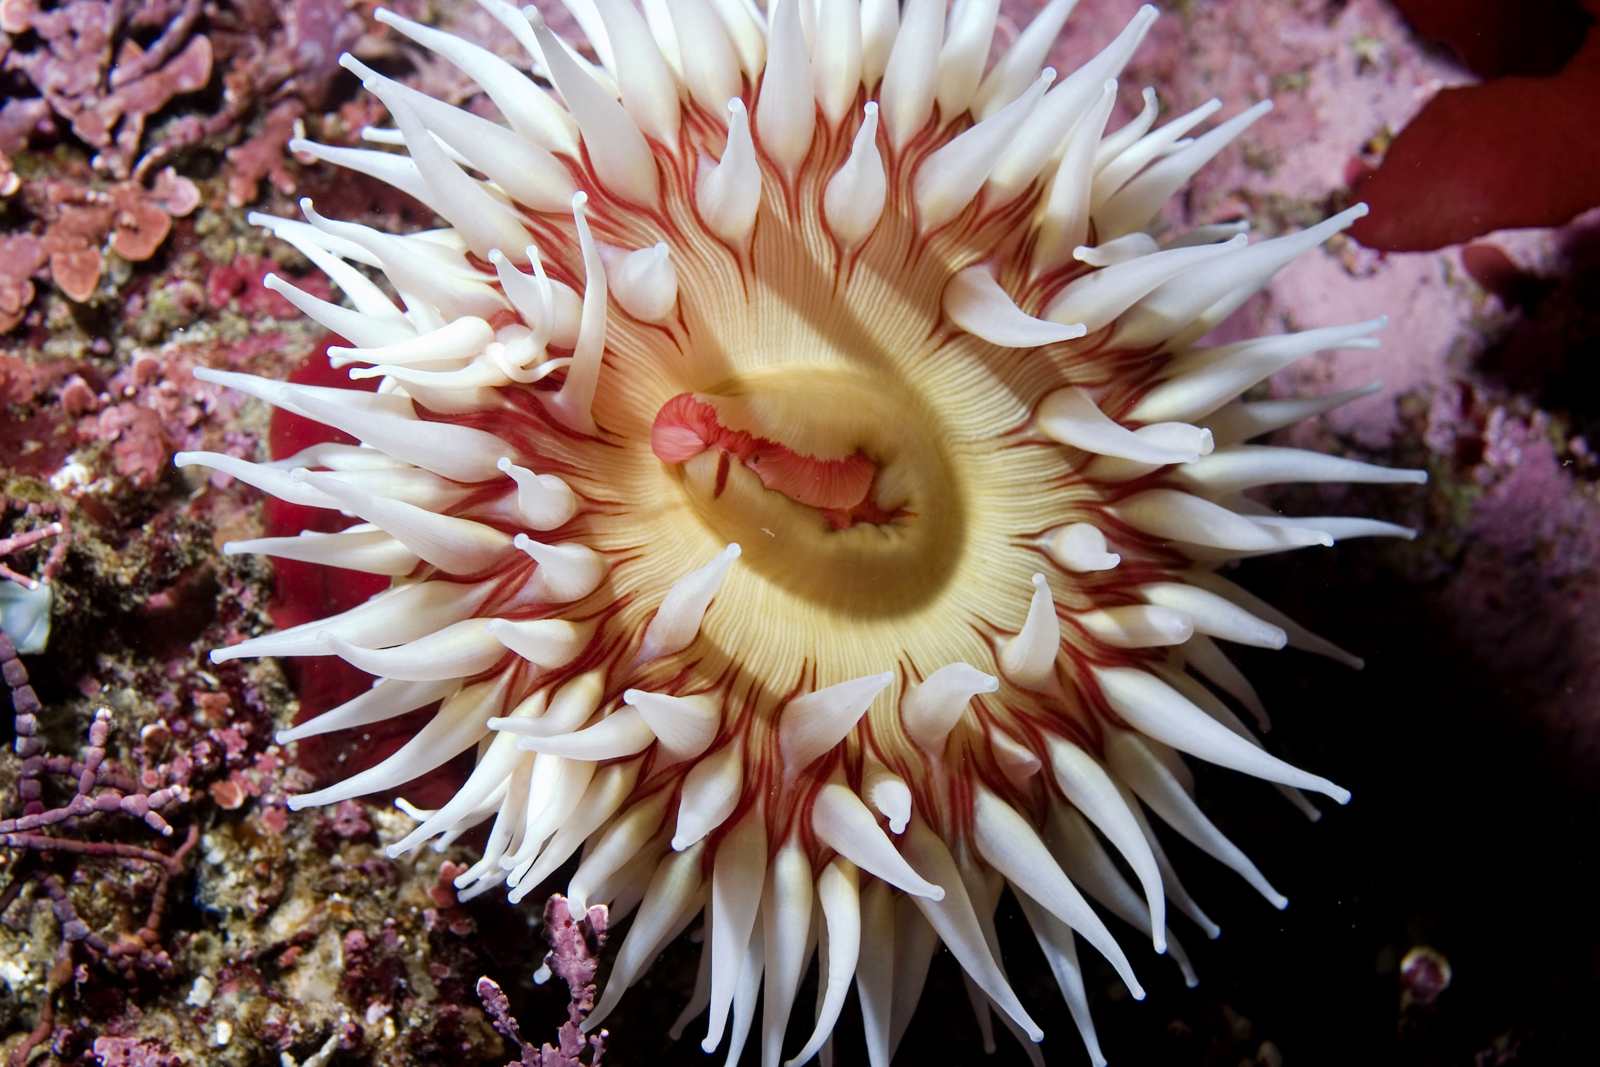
{"points": [[771, 503]]}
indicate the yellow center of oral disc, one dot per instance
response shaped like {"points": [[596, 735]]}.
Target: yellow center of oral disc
{"points": [[790, 347], [831, 411]]}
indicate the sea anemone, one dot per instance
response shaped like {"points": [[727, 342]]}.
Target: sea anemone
{"points": [[802, 489]]}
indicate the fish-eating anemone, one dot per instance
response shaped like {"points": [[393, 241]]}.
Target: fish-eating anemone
{"points": [[803, 487]]}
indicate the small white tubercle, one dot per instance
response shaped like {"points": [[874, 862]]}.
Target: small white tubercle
{"points": [[643, 281], [568, 571], [544, 501], [889, 793], [677, 621], [1079, 547], [728, 192], [930, 709], [854, 199], [1029, 658]]}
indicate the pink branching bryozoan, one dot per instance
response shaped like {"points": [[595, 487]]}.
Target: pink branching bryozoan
{"points": [[574, 955], [803, 489]]}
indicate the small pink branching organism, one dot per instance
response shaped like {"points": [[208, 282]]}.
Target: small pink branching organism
{"points": [[16, 542], [100, 788], [26, 600], [574, 956]]}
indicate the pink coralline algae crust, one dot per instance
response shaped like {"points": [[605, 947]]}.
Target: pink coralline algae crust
{"points": [[141, 414], [133, 1052], [78, 222], [1537, 528], [1524, 439], [90, 72], [79, 76], [237, 284]]}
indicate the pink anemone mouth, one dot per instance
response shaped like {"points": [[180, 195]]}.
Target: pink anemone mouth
{"points": [[802, 488], [688, 426]]}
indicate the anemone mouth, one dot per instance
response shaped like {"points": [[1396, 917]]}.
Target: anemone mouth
{"points": [[881, 540], [809, 514]]}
